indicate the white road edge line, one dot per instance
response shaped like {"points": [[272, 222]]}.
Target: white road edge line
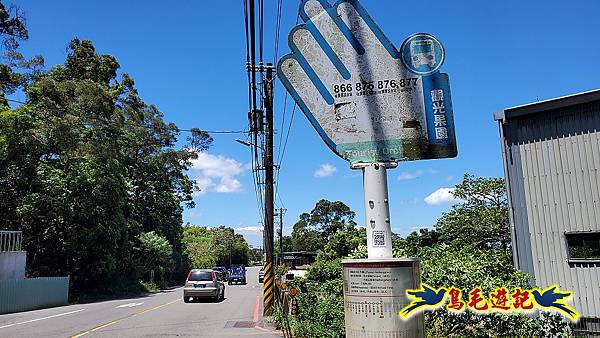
{"points": [[35, 320]]}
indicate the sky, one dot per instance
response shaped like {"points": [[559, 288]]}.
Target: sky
{"points": [[188, 58]]}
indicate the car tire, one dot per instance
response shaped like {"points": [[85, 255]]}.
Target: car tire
{"points": [[229, 283], [186, 299]]}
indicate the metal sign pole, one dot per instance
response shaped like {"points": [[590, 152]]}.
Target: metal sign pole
{"points": [[377, 210], [374, 287]]}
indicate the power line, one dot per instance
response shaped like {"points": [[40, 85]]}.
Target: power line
{"points": [[281, 151], [284, 148], [255, 138], [288, 134], [277, 30], [217, 131]]}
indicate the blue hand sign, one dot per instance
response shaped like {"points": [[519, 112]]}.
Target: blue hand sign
{"points": [[368, 101]]}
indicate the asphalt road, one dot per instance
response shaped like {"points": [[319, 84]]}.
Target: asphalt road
{"points": [[158, 315]]}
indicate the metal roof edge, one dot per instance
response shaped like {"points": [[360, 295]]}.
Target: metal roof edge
{"points": [[499, 116], [554, 103]]}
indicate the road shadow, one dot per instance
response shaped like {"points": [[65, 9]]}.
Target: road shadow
{"points": [[99, 296]]}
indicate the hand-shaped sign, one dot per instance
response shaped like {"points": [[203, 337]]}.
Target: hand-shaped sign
{"points": [[368, 101]]}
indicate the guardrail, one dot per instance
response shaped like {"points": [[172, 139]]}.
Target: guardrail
{"points": [[34, 293], [10, 240], [283, 301]]}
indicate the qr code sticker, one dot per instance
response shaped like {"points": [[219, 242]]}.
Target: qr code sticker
{"points": [[378, 238]]}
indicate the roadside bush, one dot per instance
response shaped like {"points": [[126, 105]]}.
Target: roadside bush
{"points": [[320, 310], [466, 267], [325, 270]]}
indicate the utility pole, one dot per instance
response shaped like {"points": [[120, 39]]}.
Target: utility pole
{"points": [[269, 281], [280, 236]]}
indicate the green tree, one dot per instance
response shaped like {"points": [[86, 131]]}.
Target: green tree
{"points": [[481, 218], [468, 247], [86, 166], [210, 247], [13, 63], [199, 247], [330, 217], [410, 245], [12, 30], [304, 237], [288, 244], [326, 219], [153, 253]]}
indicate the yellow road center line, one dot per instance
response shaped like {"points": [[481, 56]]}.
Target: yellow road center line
{"points": [[118, 320]]}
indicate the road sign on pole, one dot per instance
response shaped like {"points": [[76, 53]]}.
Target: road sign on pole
{"points": [[375, 106], [368, 101]]}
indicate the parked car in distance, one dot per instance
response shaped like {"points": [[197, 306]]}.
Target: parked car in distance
{"points": [[261, 276], [224, 271], [237, 275], [204, 283]]}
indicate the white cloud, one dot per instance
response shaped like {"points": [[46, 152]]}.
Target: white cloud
{"points": [[411, 176], [325, 170], [407, 176], [229, 184], [254, 229], [441, 196], [217, 173]]}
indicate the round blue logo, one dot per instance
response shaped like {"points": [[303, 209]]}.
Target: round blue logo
{"points": [[422, 54]]}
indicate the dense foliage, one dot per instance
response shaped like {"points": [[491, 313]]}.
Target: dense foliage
{"points": [[88, 171], [334, 234], [312, 229], [210, 247], [469, 246]]}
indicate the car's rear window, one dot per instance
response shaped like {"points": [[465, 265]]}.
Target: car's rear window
{"points": [[201, 276]]}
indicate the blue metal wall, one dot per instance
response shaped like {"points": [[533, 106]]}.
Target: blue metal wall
{"points": [[35, 293]]}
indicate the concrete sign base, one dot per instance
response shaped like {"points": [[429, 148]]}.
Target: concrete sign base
{"points": [[374, 294]]}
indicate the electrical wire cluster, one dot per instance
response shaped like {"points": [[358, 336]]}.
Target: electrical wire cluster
{"points": [[254, 27]]}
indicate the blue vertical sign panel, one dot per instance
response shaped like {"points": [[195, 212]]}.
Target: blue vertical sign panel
{"points": [[438, 112]]}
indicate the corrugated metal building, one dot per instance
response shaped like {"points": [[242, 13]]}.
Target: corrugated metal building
{"points": [[551, 153]]}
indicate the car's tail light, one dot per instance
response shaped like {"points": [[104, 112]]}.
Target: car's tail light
{"points": [[188, 276], [212, 276]]}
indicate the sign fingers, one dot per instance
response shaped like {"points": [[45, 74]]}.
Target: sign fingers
{"points": [[366, 31], [332, 34], [304, 43], [299, 80]]}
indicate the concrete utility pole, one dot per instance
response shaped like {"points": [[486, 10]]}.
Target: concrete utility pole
{"points": [[280, 236], [269, 281]]}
